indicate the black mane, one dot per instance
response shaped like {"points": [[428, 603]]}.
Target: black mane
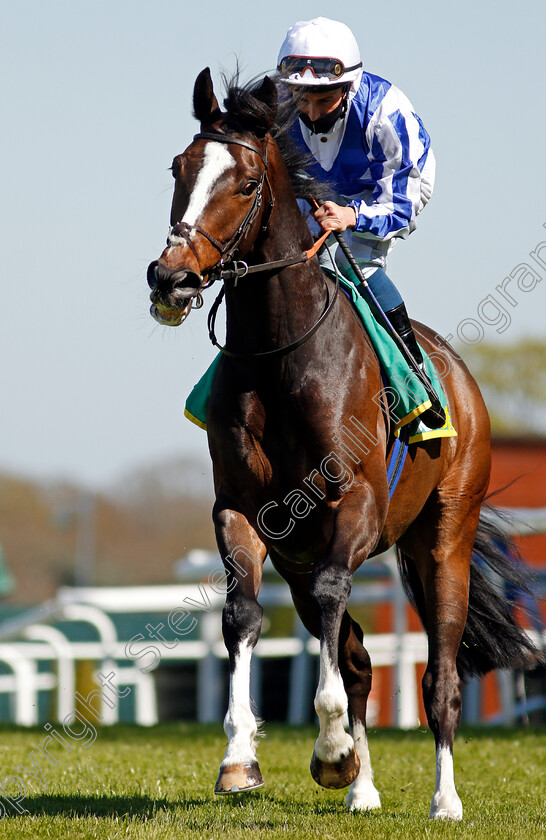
{"points": [[245, 112]]}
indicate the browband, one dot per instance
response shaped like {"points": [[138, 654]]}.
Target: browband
{"points": [[227, 138]]}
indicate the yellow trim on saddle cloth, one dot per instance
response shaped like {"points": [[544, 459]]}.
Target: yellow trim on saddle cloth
{"points": [[413, 415], [195, 420], [433, 433], [447, 430]]}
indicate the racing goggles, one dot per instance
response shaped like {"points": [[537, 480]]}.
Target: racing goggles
{"points": [[331, 68]]}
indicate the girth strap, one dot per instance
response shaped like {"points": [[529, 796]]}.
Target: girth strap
{"points": [[397, 459]]}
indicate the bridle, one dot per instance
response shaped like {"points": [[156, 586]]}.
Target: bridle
{"points": [[227, 251]]}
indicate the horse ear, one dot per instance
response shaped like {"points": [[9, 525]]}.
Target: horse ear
{"points": [[205, 104], [267, 94]]}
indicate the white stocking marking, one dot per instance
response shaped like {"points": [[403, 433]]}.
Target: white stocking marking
{"points": [[362, 795], [445, 802], [239, 723], [333, 742]]}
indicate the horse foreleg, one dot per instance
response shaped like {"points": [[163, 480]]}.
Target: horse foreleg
{"points": [[239, 771], [335, 763], [243, 555]]}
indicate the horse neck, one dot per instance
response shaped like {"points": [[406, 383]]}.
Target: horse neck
{"points": [[270, 310]]}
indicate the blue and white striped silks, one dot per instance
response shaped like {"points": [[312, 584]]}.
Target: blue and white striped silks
{"points": [[378, 160]]}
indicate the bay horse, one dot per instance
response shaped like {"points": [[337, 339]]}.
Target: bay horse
{"points": [[298, 369]]}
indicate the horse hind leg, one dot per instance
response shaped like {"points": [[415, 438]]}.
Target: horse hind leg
{"points": [[356, 671], [490, 636], [438, 580]]}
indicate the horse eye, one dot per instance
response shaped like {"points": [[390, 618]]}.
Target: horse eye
{"points": [[249, 187]]}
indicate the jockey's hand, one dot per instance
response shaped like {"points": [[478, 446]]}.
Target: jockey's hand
{"points": [[332, 216]]}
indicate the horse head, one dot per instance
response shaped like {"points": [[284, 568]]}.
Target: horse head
{"points": [[217, 204]]}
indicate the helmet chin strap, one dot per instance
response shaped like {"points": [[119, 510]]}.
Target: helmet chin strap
{"points": [[325, 123]]}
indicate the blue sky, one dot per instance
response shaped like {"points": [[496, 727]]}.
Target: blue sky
{"points": [[96, 101]]}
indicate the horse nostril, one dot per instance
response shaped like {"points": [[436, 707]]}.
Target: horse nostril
{"points": [[152, 274]]}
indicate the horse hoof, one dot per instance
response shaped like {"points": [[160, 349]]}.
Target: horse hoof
{"points": [[338, 774], [449, 809], [365, 798], [239, 778]]}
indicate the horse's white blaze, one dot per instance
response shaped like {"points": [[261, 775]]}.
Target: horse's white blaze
{"points": [[330, 705], [217, 160], [445, 802], [362, 795], [239, 723]]}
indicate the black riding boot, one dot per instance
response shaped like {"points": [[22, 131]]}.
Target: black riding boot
{"points": [[434, 417]]}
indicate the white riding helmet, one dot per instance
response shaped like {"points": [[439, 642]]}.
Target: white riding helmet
{"points": [[319, 52]]}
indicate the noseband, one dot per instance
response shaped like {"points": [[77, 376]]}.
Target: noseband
{"points": [[182, 230]]}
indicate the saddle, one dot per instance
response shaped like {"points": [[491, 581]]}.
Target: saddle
{"points": [[403, 393]]}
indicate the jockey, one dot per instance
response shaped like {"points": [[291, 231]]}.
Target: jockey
{"points": [[373, 149]]}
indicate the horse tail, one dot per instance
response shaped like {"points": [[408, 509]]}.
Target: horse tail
{"points": [[492, 638]]}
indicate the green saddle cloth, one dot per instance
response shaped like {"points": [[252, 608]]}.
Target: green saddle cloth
{"points": [[406, 395]]}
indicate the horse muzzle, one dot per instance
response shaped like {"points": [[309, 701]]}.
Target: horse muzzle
{"points": [[173, 293]]}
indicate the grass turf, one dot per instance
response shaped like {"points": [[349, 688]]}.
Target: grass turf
{"points": [[157, 783]]}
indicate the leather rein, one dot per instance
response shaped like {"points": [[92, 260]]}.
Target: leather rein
{"points": [[180, 234]]}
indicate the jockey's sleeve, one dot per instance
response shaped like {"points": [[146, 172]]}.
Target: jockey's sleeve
{"points": [[399, 145]]}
